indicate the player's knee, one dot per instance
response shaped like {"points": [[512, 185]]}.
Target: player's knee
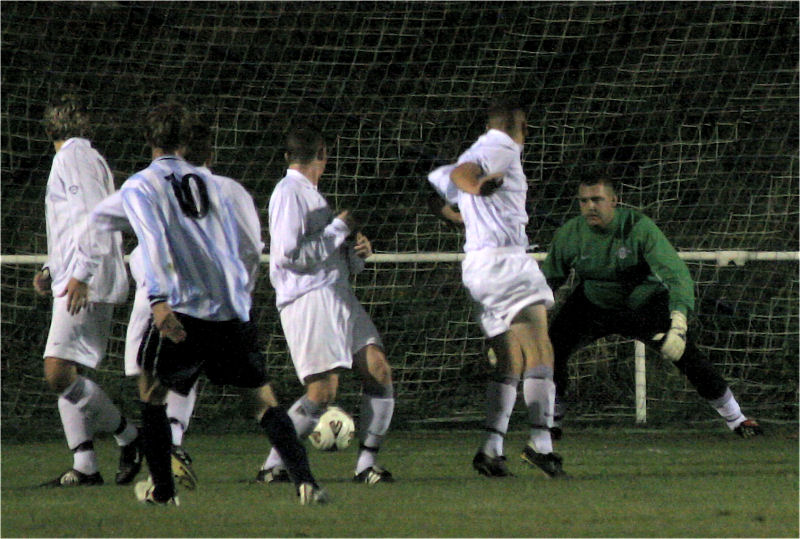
{"points": [[59, 373]]}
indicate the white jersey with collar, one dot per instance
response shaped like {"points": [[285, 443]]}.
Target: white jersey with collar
{"points": [[110, 215], [308, 248], [190, 256], [497, 220], [79, 179]]}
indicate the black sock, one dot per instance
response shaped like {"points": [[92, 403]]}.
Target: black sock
{"points": [[282, 435], [157, 439]]}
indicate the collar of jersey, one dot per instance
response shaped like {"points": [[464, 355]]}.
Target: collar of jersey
{"points": [[300, 176]]}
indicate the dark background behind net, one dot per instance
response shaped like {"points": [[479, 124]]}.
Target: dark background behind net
{"points": [[693, 104]]}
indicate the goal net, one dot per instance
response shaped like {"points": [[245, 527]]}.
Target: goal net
{"points": [[695, 105]]}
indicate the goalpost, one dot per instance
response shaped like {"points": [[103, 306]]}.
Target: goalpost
{"points": [[693, 103]]}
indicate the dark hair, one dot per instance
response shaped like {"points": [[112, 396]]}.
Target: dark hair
{"points": [[169, 126], [598, 178], [303, 145], [199, 148], [501, 115], [66, 117]]}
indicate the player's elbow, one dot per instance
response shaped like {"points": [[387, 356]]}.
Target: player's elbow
{"points": [[465, 177]]}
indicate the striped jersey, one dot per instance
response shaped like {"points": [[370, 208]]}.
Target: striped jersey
{"points": [[187, 230], [109, 214], [79, 179]]}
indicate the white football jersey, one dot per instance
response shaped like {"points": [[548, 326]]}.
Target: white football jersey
{"points": [[79, 179], [497, 220], [188, 232], [308, 247]]}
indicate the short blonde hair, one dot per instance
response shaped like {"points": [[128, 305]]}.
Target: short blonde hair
{"points": [[67, 117]]}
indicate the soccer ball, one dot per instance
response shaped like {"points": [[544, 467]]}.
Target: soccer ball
{"points": [[335, 430]]}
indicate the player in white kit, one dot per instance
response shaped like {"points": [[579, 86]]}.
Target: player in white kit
{"points": [[510, 292], [84, 293], [312, 254]]}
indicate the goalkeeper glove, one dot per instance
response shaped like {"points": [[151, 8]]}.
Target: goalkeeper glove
{"points": [[674, 342]]}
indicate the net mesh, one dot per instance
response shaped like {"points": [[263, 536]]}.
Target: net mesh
{"points": [[694, 105]]}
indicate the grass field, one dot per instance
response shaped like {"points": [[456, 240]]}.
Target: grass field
{"points": [[644, 483]]}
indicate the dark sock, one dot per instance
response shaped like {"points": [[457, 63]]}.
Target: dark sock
{"points": [[157, 439], [283, 436]]}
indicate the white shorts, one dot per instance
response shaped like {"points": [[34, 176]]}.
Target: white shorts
{"points": [[137, 326], [81, 338], [324, 328], [502, 282]]}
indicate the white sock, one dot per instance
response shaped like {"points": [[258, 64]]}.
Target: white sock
{"points": [[729, 409], [179, 412], [104, 415], [501, 396], [376, 416], [305, 415], [127, 434], [85, 461], [73, 417], [540, 392]]}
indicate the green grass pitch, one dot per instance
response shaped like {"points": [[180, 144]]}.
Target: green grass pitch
{"points": [[625, 482]]}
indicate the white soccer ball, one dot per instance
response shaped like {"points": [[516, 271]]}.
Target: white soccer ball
{"points": [[335, 430]]}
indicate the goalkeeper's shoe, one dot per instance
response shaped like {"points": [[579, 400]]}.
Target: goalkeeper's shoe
{"points": [[549, 463], [130, 462], [182, 468], [373, 474], [276, 474], [749, 428], [311, 494], [74, 478], [491, 466], [144, 493]]}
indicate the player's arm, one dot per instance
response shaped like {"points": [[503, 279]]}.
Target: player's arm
{"points": [[145, 220], [248, 231], [557, 266], [85, 189], [667, 266], [295, 247], [445, 205], [469, 177]]}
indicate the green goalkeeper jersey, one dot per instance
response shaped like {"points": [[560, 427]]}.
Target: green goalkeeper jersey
{"points": [[622, 266]]}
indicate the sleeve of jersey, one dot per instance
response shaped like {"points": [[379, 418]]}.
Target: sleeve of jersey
{"points": [[249, 232], [156, 260], [109, 215], [85, 190], [293, 247], [668, 267], [439, 178], [555, 266]]}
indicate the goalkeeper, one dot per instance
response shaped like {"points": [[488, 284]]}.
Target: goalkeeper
{"points": [[631, 283]]}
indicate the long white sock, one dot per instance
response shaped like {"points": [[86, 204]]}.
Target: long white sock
{"points": [[305, 415], [103, 415], [85, 461], [729, 409], [376, 416], [77, 428], [540, 392], [179, 412], [501, 396]]}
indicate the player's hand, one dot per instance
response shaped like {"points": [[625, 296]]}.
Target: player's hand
{"points": [[674, 342], [167, 323], [77, 293], [42, 282], [348, 219], [452, 215], [490, 183], [362, 246]]}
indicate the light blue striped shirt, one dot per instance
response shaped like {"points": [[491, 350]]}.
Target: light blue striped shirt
{"points": [[187, 231]]}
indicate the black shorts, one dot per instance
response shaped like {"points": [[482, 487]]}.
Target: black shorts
{"points": [[227, 352]]}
